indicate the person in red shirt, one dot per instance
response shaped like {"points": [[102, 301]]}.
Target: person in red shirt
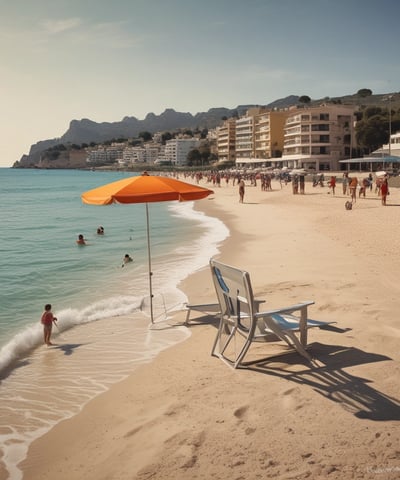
{"points": [[332, 184], [384, 190], [47, 321]]}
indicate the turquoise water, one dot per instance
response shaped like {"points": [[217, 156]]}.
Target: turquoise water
{"points": [[41, 216]]}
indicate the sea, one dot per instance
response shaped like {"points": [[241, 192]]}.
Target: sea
{"points": [[104, 330]]}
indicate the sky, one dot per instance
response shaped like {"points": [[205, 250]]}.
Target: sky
{"points": [[63, 60]]}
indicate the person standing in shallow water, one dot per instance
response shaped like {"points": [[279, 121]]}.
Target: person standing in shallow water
{"points": [[47, 321]]}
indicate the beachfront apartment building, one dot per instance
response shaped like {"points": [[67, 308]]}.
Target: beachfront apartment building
{"points": [[245, 134], [318, 137], [269, 133], [226, 141], [177, 150], [315, 137]]}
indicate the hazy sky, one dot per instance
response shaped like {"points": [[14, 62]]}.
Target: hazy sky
{"points": [[107, 59]]}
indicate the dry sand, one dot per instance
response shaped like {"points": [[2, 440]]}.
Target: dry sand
{"points": [[189, 416]]}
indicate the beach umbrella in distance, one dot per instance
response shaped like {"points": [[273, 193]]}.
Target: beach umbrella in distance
{"points": [[145, 189]]}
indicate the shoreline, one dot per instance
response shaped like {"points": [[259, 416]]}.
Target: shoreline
{"points": [[333, 421]]}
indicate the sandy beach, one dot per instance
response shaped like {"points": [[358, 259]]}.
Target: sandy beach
{"points": [[187, 415]]}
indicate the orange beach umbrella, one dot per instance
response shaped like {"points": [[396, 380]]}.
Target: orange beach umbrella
{"points": [[145, 189]]}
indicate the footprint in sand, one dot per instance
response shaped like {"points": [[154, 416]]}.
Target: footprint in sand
{"points": [[240, 412]]}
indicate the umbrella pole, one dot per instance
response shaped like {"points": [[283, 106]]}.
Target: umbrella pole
{"points": [[149, 260]]}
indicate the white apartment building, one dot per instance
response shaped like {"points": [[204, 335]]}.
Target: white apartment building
{"points": [[151, 152], [318, 137], [105, 154], [177, 150]]}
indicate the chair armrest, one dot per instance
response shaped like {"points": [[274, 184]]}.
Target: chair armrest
{"points": [[204, 307], [290, 309]]}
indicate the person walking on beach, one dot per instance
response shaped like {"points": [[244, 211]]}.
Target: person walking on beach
{"points": [[345, 182], [353, 188], [241, 190], [332, 184], [302, 183], [384, 190], [47, 321], [295, 184]]}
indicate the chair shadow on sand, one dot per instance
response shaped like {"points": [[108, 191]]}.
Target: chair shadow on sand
{"points": [[327, 376], [329, 379]]}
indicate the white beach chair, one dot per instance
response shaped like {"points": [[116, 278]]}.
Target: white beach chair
{"points": [[241, 324], [212, 308]]}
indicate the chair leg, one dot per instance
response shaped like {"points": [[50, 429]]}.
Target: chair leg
{"points": [[284, 335], [187, 317]]}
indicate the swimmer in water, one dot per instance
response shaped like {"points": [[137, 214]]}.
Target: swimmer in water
{"points": [[81, 240], [127, 259]]}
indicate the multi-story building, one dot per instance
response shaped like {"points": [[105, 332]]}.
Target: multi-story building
{"points": [[255, 138], [148, 153], [318, 137], [269, 134], [177, 150], [244, 134], [106, 154], [226, 139], [151, 152], [133, 155]]}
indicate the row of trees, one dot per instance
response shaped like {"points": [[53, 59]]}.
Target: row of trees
{"points": [[374, 126]]}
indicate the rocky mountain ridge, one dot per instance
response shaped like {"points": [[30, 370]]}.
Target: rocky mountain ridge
{"points": [[88, 131]]}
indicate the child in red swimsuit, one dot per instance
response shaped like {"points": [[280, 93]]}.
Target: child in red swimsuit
{"points": [[47, 321]]}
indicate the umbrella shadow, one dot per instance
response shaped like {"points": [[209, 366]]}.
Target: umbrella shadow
{"points": [[328, 378]]}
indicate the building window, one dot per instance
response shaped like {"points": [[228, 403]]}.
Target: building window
{"points": [[323, 127], [324, 116]]}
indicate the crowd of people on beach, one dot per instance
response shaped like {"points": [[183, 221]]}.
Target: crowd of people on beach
{"points": [[351, 185]]}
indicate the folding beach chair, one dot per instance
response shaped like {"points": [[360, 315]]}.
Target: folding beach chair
{"points": [[241, 324]]}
